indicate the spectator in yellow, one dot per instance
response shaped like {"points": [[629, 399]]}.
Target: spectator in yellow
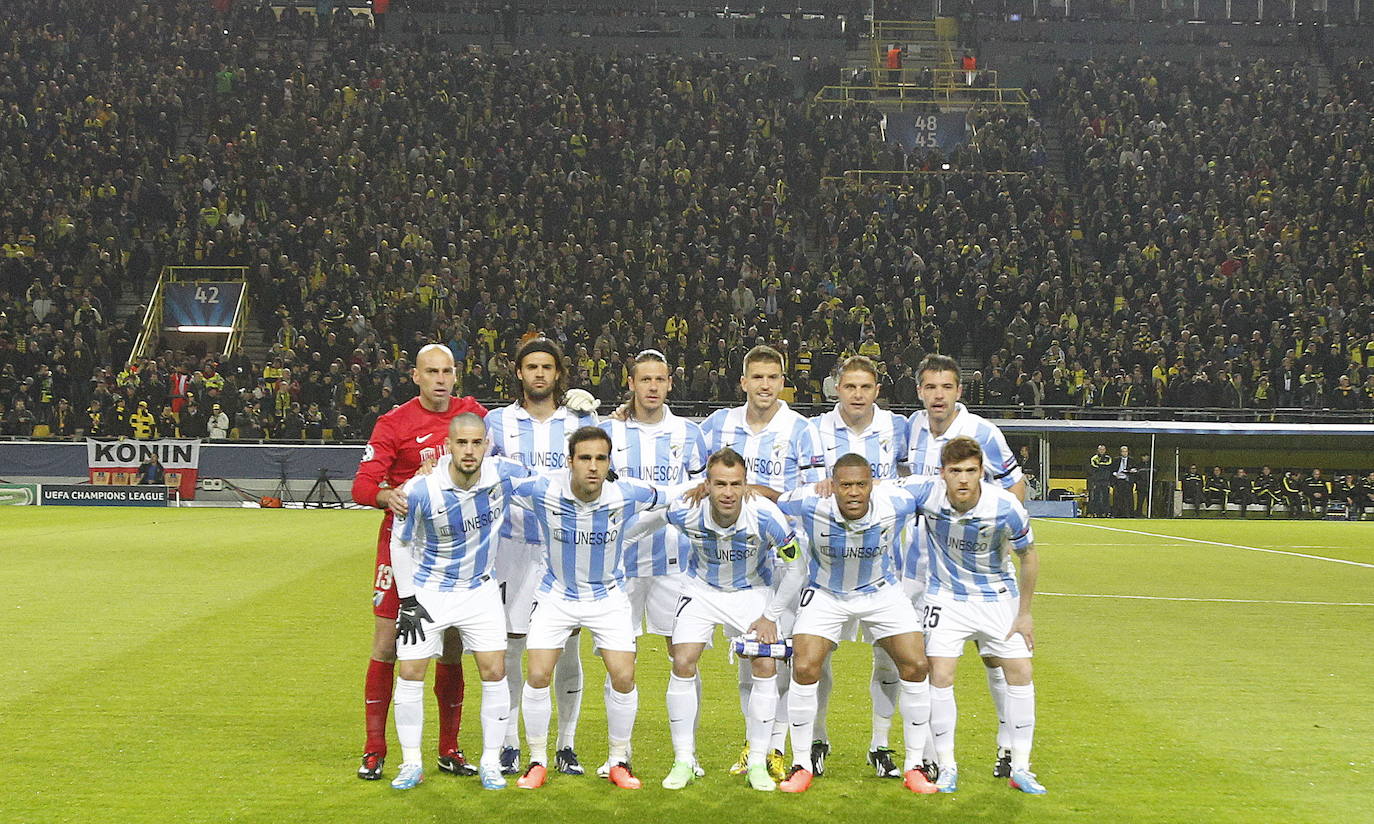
{"points": [[142, 423], [870, 348]]}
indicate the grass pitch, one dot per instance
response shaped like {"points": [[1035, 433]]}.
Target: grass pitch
{"points": [[206, 665]]}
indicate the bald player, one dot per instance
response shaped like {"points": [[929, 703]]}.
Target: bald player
{"points": [[403, 438]]}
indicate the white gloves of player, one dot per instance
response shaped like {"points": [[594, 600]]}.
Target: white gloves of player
{"points": [[581, 401]]}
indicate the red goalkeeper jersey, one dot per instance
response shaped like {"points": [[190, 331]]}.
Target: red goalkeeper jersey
{"points": [[402, 439]]}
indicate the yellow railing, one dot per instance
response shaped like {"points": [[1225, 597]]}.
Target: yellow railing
{"points": [[235, 341], [899, 179], [151, 330], [152, 323], [902, 95], [940, 76]]}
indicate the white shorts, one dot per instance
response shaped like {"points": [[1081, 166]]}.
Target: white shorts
{"points": [[702, 607], [949, 624], [609, 620], [476, 613], [519, 566], [880, 614], [653, 602]]}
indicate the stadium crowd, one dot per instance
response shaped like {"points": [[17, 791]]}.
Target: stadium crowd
{"points": [[381, 196]]}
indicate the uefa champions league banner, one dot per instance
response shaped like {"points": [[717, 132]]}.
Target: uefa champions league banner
{"points": [[116, 462]]}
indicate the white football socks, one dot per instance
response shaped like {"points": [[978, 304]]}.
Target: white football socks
{"points": [[621, 709], [997, 688], [823, 688], [914, 699], [943, 717], [1021, 719], [495, 718], [801, 709], [882, 690], [683, 708], [538, 709], [758, 722], [515, 682], [567, 684], [783, 712], [409, 703]]}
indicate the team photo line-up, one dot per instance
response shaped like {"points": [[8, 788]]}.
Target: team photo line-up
{"points": [[508, 532]]}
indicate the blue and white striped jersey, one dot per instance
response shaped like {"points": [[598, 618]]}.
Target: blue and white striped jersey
{"points": [[883, 443], [540, 445], [740, 556], [584, 553], [446, 541], [845, 557], [663, 453], [999, 462], [785, 455], [965, 553]]}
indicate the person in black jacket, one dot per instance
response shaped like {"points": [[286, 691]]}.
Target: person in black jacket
{"points": [[1347, 489], [1100, 483], [1191, 482], [1242, 493], [1215, 489], [1292, 489], [1364, 496], [1317, 492], [1265, 487]]}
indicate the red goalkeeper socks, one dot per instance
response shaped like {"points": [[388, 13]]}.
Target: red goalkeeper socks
{"points": [[377, 697], [448, 690]]}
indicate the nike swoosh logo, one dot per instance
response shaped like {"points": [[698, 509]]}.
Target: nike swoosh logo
{"points": [[1022, 726], [423, 438], [374, 700], [802, 724]]}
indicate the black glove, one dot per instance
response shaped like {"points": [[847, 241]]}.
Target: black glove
{"points": [[409, 620]]}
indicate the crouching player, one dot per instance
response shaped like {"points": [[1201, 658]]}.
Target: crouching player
{"points": [[849, 573], [972, 593], [442, 560]]}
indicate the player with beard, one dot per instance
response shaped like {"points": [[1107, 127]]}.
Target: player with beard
{"points": [[405, 437], [534, 430]]}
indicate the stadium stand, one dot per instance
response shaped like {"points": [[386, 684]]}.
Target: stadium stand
{"points": [[1197, 242]]}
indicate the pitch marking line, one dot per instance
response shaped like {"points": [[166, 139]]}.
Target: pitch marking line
{"points": [[1220, 543], [1212, 600]]}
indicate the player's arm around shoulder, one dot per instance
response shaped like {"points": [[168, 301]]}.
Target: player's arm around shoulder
{"points": [[405, 529], [645, 496], [378, 455], [1023, 543], [525, 489], [810, 450]]}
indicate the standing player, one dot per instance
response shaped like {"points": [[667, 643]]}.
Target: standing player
{"points": [[534, 430], [973, 594], [401, 440], [653, 445], [442, 553], [852, 540], [858, 425], [583, 585], [943, 420], [782, 451], [735, 538]]}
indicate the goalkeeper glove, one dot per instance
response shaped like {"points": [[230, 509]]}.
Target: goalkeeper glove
{"points": [[581, 401], [409, 618]]}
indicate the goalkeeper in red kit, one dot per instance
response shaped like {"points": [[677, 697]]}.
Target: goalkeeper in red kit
{"points": [[404, 438]]}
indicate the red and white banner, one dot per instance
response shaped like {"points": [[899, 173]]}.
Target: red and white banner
{"points": [[117, 462]]}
